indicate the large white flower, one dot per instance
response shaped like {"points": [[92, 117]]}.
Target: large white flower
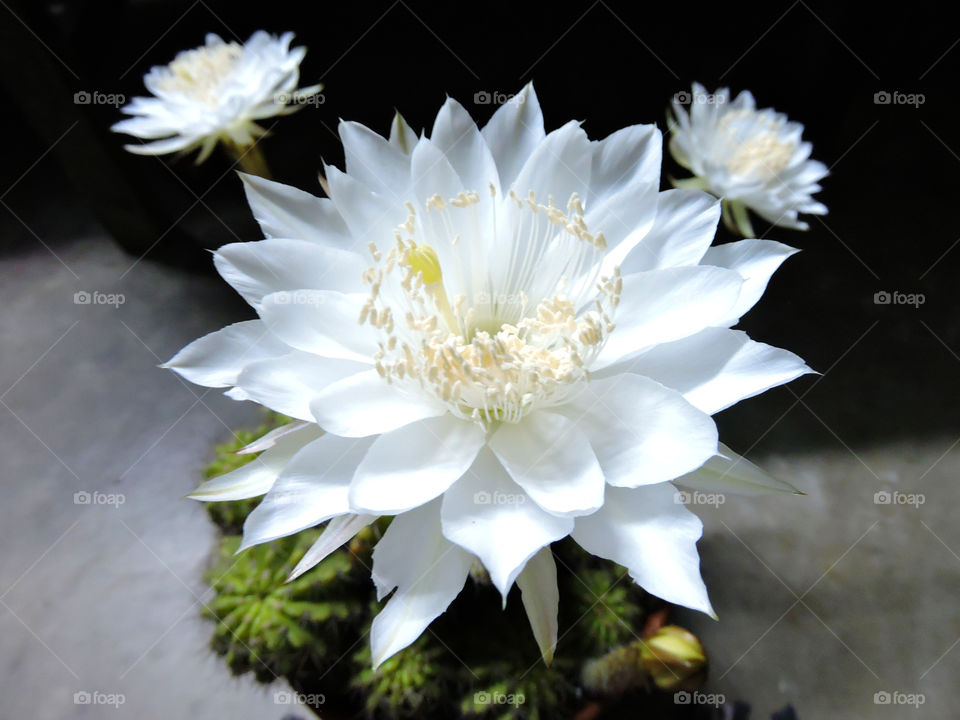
{"points": [[750, 158], [216, 92], [508, 337]]}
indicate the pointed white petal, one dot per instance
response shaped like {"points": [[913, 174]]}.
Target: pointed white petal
{"points": [[374, 161], [655, 537], [323, 322], [716, 368], [756, 261], [256, 269], [642, 432], [428, 572], [664, 305], [215, 360], [312, 488], [402, 135], [558, 167], [513, 133], [728, 472], [684, 227], [270, 439], [338, 531], [414, 464], [287, 384], [286, 212], [541, 599], [488, 514], [551, 459], [457, 137], [257, 476], [365, 404]]}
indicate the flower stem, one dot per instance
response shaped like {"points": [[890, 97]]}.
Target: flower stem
{"points": [[250, 158]]}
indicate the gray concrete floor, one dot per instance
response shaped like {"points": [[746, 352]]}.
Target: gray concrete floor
{"points": [[824, 600]]}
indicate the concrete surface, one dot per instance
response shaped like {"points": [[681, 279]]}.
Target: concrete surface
{"points": [[824, 600]]}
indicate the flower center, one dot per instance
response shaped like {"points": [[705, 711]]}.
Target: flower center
{"points": [[512, 347], [757, 147], [199, 74]]}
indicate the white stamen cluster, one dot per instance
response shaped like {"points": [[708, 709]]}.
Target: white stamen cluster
{"points": [[764, 153], [198, 74], [494, 373]]}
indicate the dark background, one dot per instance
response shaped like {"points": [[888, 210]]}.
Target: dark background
{"points": [[890, 372]]}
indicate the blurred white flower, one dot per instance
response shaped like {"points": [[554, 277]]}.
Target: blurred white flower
{"points": [[750, 158], [217, 93], [501, 337]]}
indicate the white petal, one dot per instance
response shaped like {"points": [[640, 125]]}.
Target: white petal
{"points": [[541, 599], [312, 488], [270, 439], [257, 476], [215, 360], [414, 464], [655, 537], [374, 161], [402, 135], [558, 167], [732, 473], [488, 514], [286, 212], [457, 137], [685, 225], [323, 322], [551, 459], [716, 368], [756, 261], [338, 531], [365, 404], [287, 384], [513, 133], [428, 572], [664, 305], [642, 432], [256, 269], [370, 216]]}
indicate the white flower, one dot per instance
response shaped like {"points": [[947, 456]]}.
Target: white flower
{"points": [[508, 337], [216, 92], [750, 158]]}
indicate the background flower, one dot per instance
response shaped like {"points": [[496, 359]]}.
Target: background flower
{"points": [[750, 158], [216, 93], [509, 337]]}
